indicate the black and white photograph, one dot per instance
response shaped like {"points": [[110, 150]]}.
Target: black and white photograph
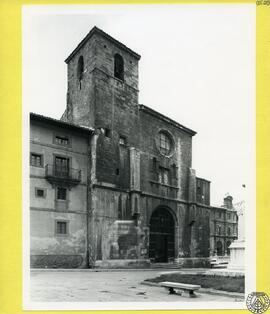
{"points": [[139, 156]]}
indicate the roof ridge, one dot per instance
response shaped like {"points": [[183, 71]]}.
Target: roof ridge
{"points": [[61, 122], [109, 37]]}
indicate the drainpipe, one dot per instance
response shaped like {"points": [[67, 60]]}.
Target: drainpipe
{"points": [[91, 179]]}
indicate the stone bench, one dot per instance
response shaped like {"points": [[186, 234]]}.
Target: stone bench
{"points": [[186, 288]]}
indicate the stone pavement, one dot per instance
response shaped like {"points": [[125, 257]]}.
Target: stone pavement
{"points": [[91, 286]]}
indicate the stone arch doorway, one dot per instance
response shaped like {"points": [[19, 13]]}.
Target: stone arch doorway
{"points": [[219, 248], [162, 236]]}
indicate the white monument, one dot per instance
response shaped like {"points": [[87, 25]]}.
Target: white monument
{"points": [[237, 248]]}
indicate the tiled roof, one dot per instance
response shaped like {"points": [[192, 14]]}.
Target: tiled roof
{"points": [[39, 117]]}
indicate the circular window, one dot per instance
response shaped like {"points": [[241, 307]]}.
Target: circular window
{"points": [[165, 143]]}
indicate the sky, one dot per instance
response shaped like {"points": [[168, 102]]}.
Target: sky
{"points": [[197, 67]]}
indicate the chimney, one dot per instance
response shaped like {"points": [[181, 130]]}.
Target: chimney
{"points": [[228, 202]]}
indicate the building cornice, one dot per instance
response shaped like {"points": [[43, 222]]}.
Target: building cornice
{"points": [[43, 209]]}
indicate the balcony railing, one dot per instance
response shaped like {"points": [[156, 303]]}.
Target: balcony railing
{"points": [[69, 175], [164, 190], [216, 234]]}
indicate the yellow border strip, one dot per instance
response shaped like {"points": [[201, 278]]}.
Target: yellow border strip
{"points": [[263, 144], [11, 158], [11, 149]]}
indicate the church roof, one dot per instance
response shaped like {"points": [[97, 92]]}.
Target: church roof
{"points": [[164, 118], [96, 30]]}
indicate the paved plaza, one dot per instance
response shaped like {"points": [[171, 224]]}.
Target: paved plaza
{"points": [[107, 286]]}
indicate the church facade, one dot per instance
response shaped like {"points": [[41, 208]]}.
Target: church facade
{"points": [[112, 183]]}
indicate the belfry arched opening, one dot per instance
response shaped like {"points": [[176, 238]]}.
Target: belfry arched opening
{"points": [[162, 236]]}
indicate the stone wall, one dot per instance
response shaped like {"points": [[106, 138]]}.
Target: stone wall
{"points": [[222, 219], [114, 234], [202, 191], [199, 224], [180, 157], [124, 187], [116, 111], [49, 249], [102, 101]]}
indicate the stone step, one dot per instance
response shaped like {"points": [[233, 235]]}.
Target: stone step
{"points": [[223, 265], [174, 265]]}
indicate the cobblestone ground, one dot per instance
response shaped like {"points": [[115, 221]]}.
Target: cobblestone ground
{"points": [[90, 286]]}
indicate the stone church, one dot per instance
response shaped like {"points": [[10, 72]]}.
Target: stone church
{"points": [[112, 183]]}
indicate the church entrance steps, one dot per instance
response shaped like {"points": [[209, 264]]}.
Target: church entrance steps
{"points": [[174, 265]]}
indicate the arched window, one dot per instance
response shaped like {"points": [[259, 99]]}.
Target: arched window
{"points": [[119, 67], [80, 68]]}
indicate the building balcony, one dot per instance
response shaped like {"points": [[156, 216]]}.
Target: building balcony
{"points": [[57, 176], [222, 235], [164, 190]]}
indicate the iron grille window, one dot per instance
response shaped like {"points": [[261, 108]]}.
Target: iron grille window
{"points": [[164, 176], [61, 166], [61, 140], [36, 160], [61, 193], [164, 143], [61, 227]]}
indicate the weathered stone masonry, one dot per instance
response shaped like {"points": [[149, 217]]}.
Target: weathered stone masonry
{"points": [[144, 201]]}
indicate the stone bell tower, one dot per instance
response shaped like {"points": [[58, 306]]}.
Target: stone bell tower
{"points": [[103, 94], [102, 78]]}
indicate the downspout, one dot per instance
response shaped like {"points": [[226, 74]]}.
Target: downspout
{"points": [[91, 245], [88, 200]]}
